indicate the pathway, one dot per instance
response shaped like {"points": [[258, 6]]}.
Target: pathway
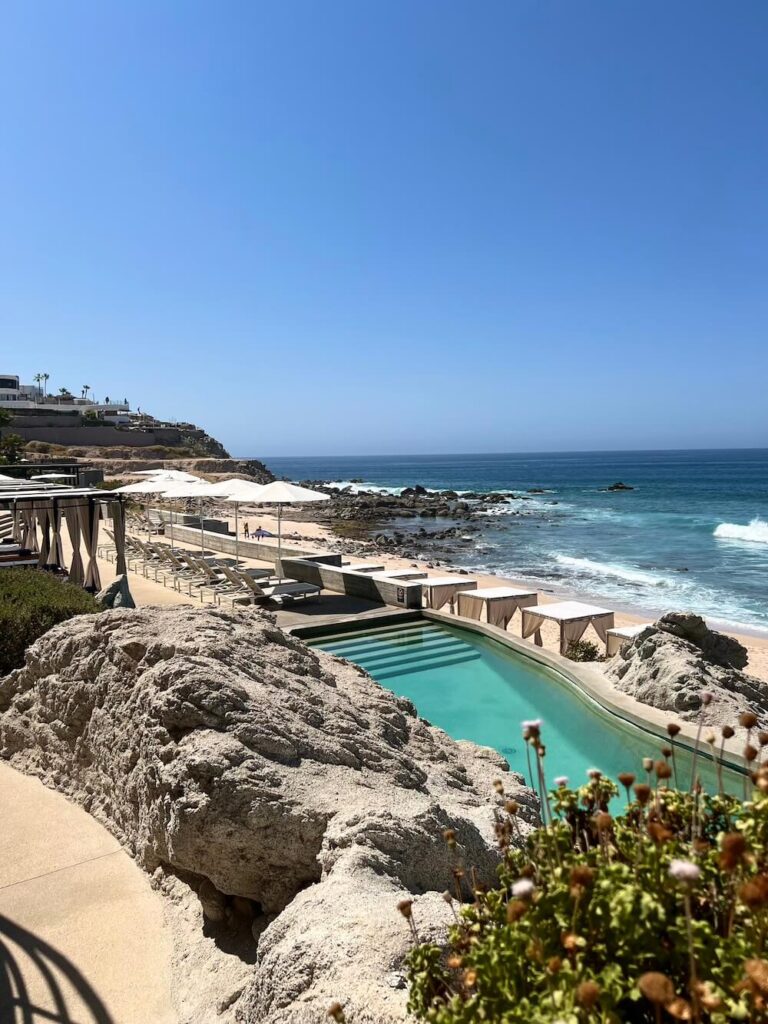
{"points": [[82, 937]]}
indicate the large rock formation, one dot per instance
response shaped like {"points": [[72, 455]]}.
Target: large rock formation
{"points": [[283, 784], [670, 664]]}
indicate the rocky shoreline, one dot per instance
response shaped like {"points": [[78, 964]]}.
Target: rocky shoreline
{"points": [[370, 522]]}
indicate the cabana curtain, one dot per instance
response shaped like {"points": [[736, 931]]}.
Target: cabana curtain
{"points": [[89, 524], [436, 597], [76, 571], [500, 609], [118, 519], [45, 530], [54, 552]]}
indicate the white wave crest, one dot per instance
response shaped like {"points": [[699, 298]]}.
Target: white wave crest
{"points": [[756, 532], [623, 572], [365, 486]]}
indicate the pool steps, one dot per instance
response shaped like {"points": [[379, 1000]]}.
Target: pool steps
{"points": [[389, 652]]}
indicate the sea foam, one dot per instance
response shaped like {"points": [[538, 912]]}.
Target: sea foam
{"points": [[623, 572], [756, 532]]}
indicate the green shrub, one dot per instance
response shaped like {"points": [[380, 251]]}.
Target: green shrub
{"points": [[31, 601], [657, 914], [583, 650]]}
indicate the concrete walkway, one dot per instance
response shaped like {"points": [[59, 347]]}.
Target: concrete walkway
{"points": [[82, 937]]}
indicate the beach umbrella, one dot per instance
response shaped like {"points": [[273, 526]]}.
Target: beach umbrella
{"points": [[169, 475], [283, 492], [237, 491], [146, 487], [52, 476], [194, 489]]}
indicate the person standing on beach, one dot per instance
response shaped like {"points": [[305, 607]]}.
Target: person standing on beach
{"points": [[246, 531]]}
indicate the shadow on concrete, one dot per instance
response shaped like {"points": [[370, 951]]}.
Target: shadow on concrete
{"points": [[330, 606], [59, 977]]}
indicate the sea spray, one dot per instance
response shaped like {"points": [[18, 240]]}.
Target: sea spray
{"points": [[756, 532]]}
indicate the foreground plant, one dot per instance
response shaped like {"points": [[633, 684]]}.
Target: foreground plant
{"points": [[658, 914]]}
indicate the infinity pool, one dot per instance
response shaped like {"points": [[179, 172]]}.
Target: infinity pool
{"points": [[477, 689]]}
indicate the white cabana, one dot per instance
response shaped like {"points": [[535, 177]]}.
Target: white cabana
{"points": [[499, 603], [283, 492], [441, 590], [48, 510], [620, 635], [573, 618]]}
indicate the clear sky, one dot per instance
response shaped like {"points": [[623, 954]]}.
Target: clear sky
{"points": [[390, 226]]}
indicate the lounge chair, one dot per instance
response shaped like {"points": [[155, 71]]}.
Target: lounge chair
{"points": [[290, 589]]}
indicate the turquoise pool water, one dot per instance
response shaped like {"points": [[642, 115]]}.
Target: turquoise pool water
{"points": [[476, 689]]}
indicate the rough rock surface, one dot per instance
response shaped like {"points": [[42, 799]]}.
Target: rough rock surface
{"points": [[670, 664], [116, 594], [285, 785]]}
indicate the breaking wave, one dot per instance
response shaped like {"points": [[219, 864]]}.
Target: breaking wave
{"points": [[756, 532], [623, 572]]}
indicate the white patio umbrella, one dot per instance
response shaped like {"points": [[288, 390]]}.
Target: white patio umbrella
{"points": [[52, 476], [195, 489], [169, 475], [150, 486], [237, 491], [283, 492]]}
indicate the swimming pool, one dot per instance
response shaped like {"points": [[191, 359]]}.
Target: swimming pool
{"points": [[478, 689]]}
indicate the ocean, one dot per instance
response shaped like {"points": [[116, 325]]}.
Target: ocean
{"points": [[691, 535]]}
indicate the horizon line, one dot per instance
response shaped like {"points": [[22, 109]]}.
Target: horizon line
{"points": [[545, 451]]}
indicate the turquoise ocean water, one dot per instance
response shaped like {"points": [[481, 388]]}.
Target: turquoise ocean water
{"points": [[693, 534]]}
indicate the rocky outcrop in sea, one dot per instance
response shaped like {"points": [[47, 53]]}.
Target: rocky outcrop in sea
{"points": [[283, 801]]}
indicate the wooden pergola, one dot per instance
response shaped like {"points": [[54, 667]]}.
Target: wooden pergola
{"points": [[40, 516]]}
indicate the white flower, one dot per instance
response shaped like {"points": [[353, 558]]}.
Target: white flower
{"points": [[532, 723], [523, 890], [684, 871], [594, 773], [561, 780]]}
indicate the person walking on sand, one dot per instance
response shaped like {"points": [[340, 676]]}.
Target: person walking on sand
{"points": [[246, 531]]}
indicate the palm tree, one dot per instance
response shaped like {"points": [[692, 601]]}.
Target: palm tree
{"points": [[86, 389], [38, 379], [45, 377]]}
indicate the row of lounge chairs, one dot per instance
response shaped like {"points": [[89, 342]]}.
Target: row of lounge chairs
{"points": [[203, 577]]}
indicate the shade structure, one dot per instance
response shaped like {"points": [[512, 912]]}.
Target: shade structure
{"points": [[237, 491], [283, 492], [193, 489], [169, 475], [144, 487], [7, 479]]}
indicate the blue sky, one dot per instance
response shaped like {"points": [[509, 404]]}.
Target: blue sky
{"points": [[376, 226]]}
